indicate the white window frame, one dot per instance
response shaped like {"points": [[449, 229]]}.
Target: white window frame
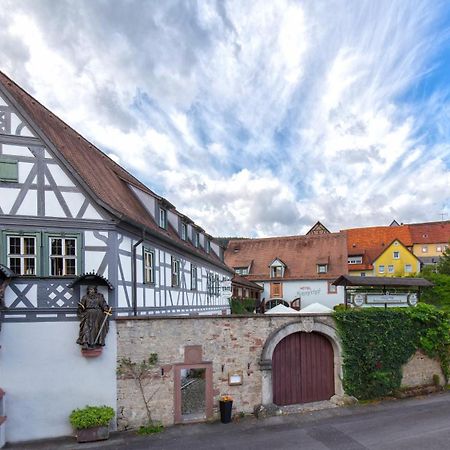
{"points": [[22, 255], [424, 248], [390, 268], [396, 253], [381, 268], [354, 260], [175, 275], [184, 231], [408, 268], [207, 245], [277, 271], [162, 217], [322, 268], [196, 239], [194, 278], [149, 266], [439, 248], [241, 270], [63, 256]]}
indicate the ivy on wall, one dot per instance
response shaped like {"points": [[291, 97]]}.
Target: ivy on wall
{"points": [[377, 342]]}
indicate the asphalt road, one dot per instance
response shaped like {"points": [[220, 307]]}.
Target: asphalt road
{"points": [[420, 423]]}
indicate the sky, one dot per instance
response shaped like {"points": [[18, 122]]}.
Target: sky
{"points": [[254, 118]]}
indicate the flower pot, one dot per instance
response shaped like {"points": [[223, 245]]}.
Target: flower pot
{"points": [[93, 434], [225, 411]]}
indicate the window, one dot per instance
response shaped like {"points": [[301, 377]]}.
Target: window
{"points": [[162, 218], [183, 231], [207, 245], [193, 277], [408, 268], [439, 248], [63, 256], [275, 290], [425, 249], [149, 266], [241, 270], [9, 171], [355, 260], [381, 269], [363, 274], [22, 254], [196, 238], [210, 284], [217, 285], [276, 271], [175, 272], [391, 268], [322, 268], [396, 255], [332, 289]]}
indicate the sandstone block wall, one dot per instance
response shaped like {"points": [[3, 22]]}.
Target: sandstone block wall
{"points": [[231, 343], [419, 371]]}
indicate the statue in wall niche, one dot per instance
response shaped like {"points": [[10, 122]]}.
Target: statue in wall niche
{"points": [[93, 312]]}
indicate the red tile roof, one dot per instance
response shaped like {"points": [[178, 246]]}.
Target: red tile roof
{"points": [[301, 254], [370, 242], [430, 233], [101, 175]]}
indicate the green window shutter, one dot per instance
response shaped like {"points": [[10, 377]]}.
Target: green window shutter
{"points": [[9, 171]]}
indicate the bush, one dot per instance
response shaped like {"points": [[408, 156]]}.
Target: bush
{"points": [[242, 306], [91, 416]]}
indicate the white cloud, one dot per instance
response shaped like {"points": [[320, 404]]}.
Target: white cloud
{"points": [[254, 118]]}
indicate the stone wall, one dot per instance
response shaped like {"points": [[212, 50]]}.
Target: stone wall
{"points": [[419, 371], [230, 343]]}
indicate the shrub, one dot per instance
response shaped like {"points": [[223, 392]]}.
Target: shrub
{"points": [[242, 306], [91, 416]]}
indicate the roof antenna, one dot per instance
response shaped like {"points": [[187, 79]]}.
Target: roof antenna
{"points": [[442, 214]]}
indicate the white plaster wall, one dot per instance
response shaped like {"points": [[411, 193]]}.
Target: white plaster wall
{"points": [[310, 291], [45, 377]]}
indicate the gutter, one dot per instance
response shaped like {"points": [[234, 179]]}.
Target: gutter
{"points": [[134, 274]]}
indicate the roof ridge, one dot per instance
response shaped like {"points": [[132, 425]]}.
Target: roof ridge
{"points": [[290, 237]]}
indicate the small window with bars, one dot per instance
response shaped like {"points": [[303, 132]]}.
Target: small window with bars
{"points": [[63, 256], [22, 254], [149, 267]]}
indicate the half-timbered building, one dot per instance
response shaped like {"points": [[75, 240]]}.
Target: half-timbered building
{"points": [[70, 216]]}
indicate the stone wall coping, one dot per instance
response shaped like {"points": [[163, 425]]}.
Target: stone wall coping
{"points": [[227, 316]]}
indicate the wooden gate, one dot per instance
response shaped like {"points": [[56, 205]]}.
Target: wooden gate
{"points": [[302, 369]]}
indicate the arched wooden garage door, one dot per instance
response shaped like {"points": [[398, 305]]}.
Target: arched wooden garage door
{"points": [[302, 369]]}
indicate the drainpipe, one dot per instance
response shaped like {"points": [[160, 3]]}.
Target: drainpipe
{"points": [[134, 275]]}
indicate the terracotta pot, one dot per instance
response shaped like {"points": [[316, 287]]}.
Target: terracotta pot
{"points": [[93, 434]]}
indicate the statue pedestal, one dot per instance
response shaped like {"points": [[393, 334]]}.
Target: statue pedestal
{"points": [[91, 352]]}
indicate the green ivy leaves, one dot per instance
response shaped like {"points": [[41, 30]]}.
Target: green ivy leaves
{"points": [[377, 342]]}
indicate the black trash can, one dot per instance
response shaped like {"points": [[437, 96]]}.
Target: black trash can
{"points": [[225, 411]]}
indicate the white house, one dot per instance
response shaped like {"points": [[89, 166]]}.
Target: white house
{"points": [[67, 210], [293, 270]]}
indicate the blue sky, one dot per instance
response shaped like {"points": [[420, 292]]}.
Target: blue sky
{"points": [[253, 118]]}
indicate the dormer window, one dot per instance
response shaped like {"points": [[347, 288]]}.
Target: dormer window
{"points": [[277, 268], [355, 260], [163, 218], [183, 231], [241, 270], [207, 245], [322, 268], [196, 239]]}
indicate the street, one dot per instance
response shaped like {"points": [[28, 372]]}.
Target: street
{"points": [[419, 423]]}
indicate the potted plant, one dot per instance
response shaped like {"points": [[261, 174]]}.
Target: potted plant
{"points": [[91, 423], [225, 405]]}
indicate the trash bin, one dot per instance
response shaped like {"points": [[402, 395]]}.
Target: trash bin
{"points": [[225, 410]]}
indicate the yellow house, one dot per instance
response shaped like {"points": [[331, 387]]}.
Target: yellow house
{"points": [[396, 261]]}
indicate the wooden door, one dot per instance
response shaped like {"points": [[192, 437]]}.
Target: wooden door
{"points": [[302, 369]]}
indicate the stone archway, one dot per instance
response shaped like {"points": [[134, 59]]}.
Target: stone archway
{"points": [[307, 324]]}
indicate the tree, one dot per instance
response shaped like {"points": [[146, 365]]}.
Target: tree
{"points": [[443, 266]]}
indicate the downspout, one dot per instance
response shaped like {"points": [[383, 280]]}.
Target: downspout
{"points": [[134, 274]]}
